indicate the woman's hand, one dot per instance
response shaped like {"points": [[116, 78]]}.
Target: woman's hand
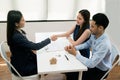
{"points": [[53, 37]]}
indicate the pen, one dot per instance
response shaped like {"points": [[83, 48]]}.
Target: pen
{"points": [[66, 57]]}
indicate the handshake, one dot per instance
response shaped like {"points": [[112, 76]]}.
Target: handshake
{"points": [[53, 37]]}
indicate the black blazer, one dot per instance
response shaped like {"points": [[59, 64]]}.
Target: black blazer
{"points": [[22, 58]]}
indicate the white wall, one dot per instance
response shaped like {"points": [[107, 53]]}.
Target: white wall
{"points": [[32, 27], [113, 12], [2, 31]]}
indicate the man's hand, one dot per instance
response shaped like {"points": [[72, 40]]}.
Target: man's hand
{"points": [[71, 50]]}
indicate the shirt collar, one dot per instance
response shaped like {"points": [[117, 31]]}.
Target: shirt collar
{"points": [[101, 37]]}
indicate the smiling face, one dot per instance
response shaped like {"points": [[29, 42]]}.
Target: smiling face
{"points": [[80, 19], [94, 28], [21, 23]]}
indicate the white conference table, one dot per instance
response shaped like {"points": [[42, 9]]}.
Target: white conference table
{"points": [[63, 64]]}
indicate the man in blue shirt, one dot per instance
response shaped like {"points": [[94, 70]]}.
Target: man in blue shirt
{"points": [[100, 62]]}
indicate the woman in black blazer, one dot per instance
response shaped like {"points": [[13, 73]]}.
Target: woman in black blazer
{"points": [[23, 57]]}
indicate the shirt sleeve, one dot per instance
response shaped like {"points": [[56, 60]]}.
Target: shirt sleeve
{"points": [[96, 58], [84, 45], [22, 41]]}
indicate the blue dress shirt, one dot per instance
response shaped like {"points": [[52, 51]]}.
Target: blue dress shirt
{"points": [[101, 52]]}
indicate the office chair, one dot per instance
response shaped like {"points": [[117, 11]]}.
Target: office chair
{"points": [[115, 60], [14, 77]]}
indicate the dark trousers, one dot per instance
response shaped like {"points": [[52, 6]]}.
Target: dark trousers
{"points": [[93, 74], [72, 75]]}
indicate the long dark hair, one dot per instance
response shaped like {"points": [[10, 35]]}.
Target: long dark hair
{"points": [[86, 16], [13, 17]]}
